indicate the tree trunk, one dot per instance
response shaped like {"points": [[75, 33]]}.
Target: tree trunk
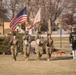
{"points": [[28, 11], [39, 28], [49, 26]]}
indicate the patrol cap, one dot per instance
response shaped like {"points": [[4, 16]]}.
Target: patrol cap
{"points": [[74, 28], [26, 32], [14, 34], [39, 32], [48, 34]]}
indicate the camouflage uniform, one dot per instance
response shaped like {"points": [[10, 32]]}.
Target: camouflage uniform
{"points": [[49, 47], [39, 44], [14, 47], [26, 45]]}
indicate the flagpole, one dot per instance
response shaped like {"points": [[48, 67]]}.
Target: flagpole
{"points": [[40, 20], [28, 14]]}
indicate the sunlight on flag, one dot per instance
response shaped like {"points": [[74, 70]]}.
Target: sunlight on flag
{"points": [[20, 18], [37, 19]]}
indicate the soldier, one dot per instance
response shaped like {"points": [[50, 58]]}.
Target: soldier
{"points": [[39, 44], [14, 46], [26, 45], [72, 40], [49, 46]]}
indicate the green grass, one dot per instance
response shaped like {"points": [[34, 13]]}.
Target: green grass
{"points": [[58, 38], [64, 41]]}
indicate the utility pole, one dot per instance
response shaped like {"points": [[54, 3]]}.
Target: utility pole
{"points": [[60, 26]]}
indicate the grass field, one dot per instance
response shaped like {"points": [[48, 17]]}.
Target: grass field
{"points": [[64, 42], [58, 64]]}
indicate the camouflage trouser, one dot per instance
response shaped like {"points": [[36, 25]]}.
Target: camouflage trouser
{"points": [[14, 52], [26, 50], [39, 51], [49, 52]]}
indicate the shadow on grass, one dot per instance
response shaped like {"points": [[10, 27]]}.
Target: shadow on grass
{"points": [[62, 58], [51, 59], [58, 58], [55, 50]]}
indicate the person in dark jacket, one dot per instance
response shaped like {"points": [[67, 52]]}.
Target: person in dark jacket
{"points": [[72, 40]]}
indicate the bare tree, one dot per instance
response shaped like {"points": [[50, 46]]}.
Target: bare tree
{"points": [[3, 11], [14, 6], [69, 14], [51, 9], [55, 8]]}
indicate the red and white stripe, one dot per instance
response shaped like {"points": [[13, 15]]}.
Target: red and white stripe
{"points": [[17, 20]]}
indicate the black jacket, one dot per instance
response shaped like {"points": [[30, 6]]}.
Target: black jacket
{"points": [[72, 37]]}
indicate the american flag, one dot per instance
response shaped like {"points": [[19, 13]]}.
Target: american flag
{"points": [[20, 18]]}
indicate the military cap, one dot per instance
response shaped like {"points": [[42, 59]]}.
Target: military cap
{"points": [[74, 28]]}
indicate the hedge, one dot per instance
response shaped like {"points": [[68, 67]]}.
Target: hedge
{"points": [[5, 46]]}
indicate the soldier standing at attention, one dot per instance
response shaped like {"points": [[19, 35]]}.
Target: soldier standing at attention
{"points": [[72, 40], [14, 46], [26, 45], [49, 46], [39, 44]]}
